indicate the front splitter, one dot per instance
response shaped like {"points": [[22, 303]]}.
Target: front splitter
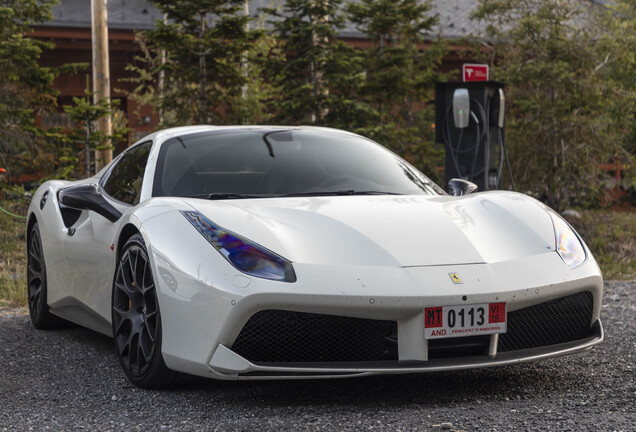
{"points": [[225, 364]]}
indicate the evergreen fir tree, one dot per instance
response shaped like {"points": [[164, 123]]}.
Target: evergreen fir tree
{"points": [[25, 87], [310, 74], [569, 74], [199, 51], [400, 69]]}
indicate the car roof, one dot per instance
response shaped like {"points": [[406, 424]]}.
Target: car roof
{"points": [[165, 134]]}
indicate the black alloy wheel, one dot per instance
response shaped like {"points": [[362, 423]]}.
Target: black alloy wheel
{"points": [[36, 284], [136, 319]]}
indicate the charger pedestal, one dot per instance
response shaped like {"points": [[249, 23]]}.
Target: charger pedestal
{"points": [[472, 153]]}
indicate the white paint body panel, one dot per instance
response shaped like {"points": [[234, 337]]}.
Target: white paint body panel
{"points": [[377, 257], [397, 231]]}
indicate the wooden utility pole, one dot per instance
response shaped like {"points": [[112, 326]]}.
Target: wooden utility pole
{"points": [[203, 105], [244, 65], [317, 71], [162, 76], [101, 74]]}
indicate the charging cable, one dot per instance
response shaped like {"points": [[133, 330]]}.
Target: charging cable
{"points": [[480, 121]]}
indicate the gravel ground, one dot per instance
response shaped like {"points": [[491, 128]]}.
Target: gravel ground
{"points": [[70, 380]]}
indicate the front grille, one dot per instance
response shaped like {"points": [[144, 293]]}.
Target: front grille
{"points": [[276, 336], [558, 321], [458, 347]]}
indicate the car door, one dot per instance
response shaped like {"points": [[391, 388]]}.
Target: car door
{"points": [[90, 250]]}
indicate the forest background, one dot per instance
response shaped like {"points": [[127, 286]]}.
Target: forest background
{"points": [[569, 68]]}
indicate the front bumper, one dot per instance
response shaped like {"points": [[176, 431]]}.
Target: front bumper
{"points": [[204, 311], [228, 365], [289, 344]]}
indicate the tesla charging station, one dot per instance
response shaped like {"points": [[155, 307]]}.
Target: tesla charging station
{"points": [[469, 119]]}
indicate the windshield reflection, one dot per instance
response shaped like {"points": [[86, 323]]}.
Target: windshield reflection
{"points": [[250, 163]]}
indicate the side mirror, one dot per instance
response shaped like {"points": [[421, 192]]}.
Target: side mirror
{"points": [[459, 187], [88, 197]]}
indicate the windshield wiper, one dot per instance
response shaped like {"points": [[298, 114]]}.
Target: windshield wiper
{"points": [[337, 193], [222, 195], [229, 195]]}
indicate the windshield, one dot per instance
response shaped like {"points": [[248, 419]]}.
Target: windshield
{"points": [[288, 162]]}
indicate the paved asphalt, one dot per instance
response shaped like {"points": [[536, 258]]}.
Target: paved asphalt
{"points": [[70, 380]]}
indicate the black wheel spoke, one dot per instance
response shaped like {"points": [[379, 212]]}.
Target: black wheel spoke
{"points": [[150, 331], [132, 351], [132, 265], [144, 287], [120, 319], [35, 258], [34, 298], [34, 272], [122, 342], [127, 280], [134, 311], [37, 251], [41, 317], [35, 275], [34, 293], [145, 347]]}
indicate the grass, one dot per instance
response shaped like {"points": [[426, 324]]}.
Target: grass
{"points": [[13, 283], [610, 235]]}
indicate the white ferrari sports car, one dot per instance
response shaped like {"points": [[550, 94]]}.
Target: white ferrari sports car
{"points": [[268, 252]]}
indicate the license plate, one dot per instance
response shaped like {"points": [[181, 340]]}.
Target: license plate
{"points": [[465, 320]]}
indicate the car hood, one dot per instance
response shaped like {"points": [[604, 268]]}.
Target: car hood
{"points": [[385, 230]]}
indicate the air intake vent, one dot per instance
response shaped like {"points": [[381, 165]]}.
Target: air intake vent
{"points": [[562, 320], [275, 336]]}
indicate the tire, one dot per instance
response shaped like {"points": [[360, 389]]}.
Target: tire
{"points": [[137, 320], [41, 317]]}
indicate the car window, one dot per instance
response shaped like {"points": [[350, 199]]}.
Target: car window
{"points": [[124, 180], [266, 163]]}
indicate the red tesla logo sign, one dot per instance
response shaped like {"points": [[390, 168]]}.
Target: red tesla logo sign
{"points": [[475, 72]]}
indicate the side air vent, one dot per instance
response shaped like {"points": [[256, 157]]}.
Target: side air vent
{"points": [[69, 216]]}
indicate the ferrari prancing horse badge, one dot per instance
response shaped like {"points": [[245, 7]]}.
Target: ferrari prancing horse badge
{"points": [[455, 278]]}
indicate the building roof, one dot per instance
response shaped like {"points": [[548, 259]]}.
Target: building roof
{"points": [[454, 17], [122, 14], [141, 15]]}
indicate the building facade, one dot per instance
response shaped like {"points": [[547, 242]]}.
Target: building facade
{"points": [[70, 31]]}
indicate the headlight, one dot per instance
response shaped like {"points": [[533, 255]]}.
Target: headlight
{"points": [[568, 244], [246, 256]]}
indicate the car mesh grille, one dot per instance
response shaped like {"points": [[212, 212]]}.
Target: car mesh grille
{"points": [[562, 320], [458, 347], [275, 336]]}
